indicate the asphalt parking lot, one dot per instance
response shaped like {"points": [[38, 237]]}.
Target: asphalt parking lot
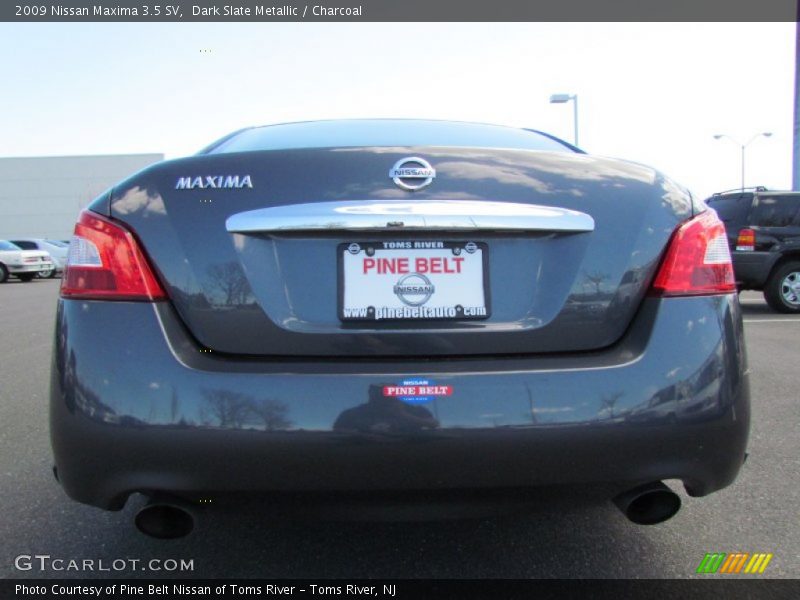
{"points": [[759, 513]]}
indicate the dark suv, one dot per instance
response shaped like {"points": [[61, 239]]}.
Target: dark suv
{"points": [[764, 237]]}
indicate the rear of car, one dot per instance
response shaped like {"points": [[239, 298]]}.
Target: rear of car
{"points": [[764, 237], [22, 264], [55, 248], [396, 306]]}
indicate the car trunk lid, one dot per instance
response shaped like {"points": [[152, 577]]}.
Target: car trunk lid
{"points": [[254, 248]]}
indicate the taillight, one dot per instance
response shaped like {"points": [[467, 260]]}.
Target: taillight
{"points": [[697, 261], [105, 263], [746, 242]]}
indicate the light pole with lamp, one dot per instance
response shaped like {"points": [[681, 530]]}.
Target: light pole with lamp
{"points": [[563, 98], [743, 146]]}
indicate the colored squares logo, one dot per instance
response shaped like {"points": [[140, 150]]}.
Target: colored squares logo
{"points": [[734, 563]]}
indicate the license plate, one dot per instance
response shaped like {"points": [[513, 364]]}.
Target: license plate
{"points": [[413, 280]]}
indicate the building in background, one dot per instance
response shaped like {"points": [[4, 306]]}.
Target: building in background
{"points": [[42, 196]]}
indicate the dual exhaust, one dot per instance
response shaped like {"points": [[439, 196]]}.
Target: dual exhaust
{"points": [[170, 518]]}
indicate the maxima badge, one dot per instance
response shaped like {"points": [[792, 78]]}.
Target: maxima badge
{"points": [[412, 173], [214, 182]]}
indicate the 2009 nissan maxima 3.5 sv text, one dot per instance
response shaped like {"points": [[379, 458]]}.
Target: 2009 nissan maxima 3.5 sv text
{"points": [[396, 306]]}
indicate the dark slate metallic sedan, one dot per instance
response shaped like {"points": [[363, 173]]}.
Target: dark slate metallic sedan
{"points": [[396, 308]]}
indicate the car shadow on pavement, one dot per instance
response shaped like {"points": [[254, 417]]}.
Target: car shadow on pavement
{"points": [[568, 537]]}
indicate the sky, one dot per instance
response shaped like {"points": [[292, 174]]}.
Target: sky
{"points": [[654, 93]]}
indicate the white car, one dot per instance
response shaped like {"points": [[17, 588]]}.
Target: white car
{"points": [[24, 264], [55, 248]]}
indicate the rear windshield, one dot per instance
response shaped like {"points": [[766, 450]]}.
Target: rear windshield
{"points": [[4, 245], [731, 208], [776, 211], [357, 133], [26, 245]]}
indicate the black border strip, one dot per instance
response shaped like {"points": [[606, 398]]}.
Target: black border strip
{"points": [[405, 11], [508, 589]]}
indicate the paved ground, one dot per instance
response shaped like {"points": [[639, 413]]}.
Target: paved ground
{"points": [[759, 513]]}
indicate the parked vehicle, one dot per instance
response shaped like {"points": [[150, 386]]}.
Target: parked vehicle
{"points": [[55, 248], [22, 264], [400, 309], [764, 237]]}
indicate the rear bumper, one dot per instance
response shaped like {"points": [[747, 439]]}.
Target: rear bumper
{"points": [[31, 268], [751, 269], [137, 406]]}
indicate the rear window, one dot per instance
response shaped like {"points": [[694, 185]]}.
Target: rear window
{"points": [[377, 132], [731, 208], [775, 211], [25, 245], [4, 245]]}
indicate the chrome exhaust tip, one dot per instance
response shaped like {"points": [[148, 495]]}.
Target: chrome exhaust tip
{"points": [[649, 504], [164, 519]]}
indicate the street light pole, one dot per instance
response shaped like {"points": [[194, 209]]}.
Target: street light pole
{"points": [[561, 99], [796, 133], [742, 146], [575, 116]]}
